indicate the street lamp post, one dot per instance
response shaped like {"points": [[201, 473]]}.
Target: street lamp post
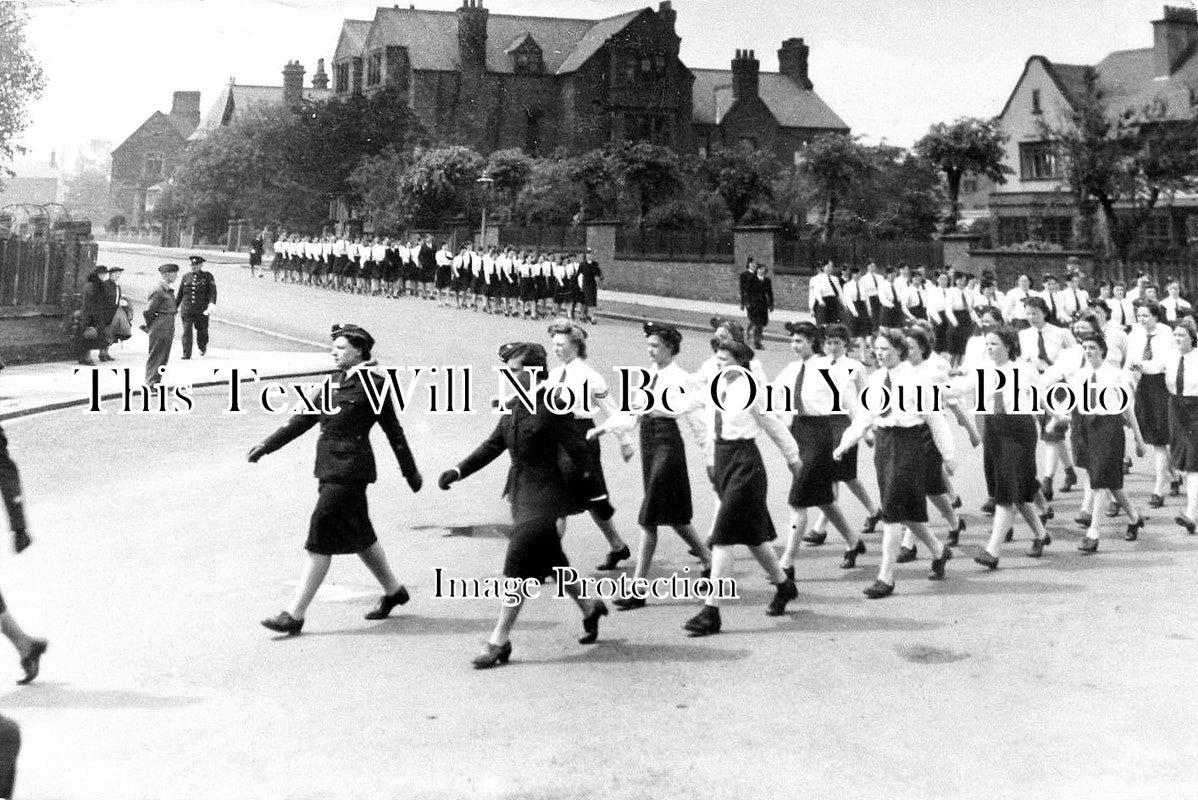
{"points": [[486, 182]]}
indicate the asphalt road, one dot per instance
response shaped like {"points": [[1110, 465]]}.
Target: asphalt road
{"points": [[158, 548]]}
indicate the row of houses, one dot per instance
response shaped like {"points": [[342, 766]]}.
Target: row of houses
{"points": [[497, 81]]}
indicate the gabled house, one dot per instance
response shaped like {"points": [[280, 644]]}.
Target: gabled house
{"points": [[1036, 203], [235, 98], [151, 154]]}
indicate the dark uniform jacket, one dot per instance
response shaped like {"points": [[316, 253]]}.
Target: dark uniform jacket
{"points": [[343, 452], [535, 486], [10, 487], [196, 291], [162, 305], [99, 302], [745, 288]]}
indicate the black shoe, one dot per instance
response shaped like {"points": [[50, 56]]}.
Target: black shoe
{"points": [[203, 351], [31, 662], [1046, 488], [957, 502], [938, 564], [614, 558], [849, 561], [1113, 510], [790, 573], [1047, 515], [988, 507], [1088, 545], [705, 623], [1133, 530], [814, 538], [878, 589], [388, 602], [1084, 520], [629, 603], [284, 623], [1070, 480], [783, 593], [106, 357], [1174, 486], [492, 655], [1156, 501], [185, 358], [906, 555], [1187, 523], [1010, 537], [1037, 549], [871, 522], [986, 560], [590, 623], [1127, 466], [954, 537]]}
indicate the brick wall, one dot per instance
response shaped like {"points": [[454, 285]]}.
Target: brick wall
{"points": [[693, 280]]}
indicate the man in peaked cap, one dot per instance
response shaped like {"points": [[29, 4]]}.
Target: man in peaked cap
{"points": [[160, 323], [196, 299]]}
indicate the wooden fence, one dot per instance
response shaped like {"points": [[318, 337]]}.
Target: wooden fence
{"points": [[33, 272], [653, 244]]}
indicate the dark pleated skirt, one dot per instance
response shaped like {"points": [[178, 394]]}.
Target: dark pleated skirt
{"points": [[898, 458], [743, 488], [958, 337], [828, 312], [891, 317], [941, 344], [663, 471], [1105, 445], [845, 469], [862, 324], [444, 277], [340, 522], [534, 550], [577, 489], [816, 440], [1009, 444], [934, 482], [528, 290], [919, 312], [1152, 409], [1183, 418]]}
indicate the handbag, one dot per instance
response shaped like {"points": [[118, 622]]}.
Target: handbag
{"points": [[120, 329], [90, 333]]}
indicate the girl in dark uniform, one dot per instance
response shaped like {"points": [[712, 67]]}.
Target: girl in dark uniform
{"points": [[536, 489], [528, 283], [589, 275], [344, 466], [663, 454], [759, 302]]}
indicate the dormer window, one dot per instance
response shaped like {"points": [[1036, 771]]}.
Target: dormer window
{"points": [[1036, 102], [526, 56]]}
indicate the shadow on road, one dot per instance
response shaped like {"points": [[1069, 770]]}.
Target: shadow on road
{"points": [[57, 695]]}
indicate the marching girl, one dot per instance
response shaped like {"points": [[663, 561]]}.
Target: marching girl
{"points": [[537, 491], [580, 379], [663, 455], [528, 283], [557, 285], [1041, 344], [345, 466], [1181, 379], [937, 312], [808, 413], [490, 280], [544, 288], [958, 314], [1099, 441], [573, 285], [1175, 307], [478, 281], [444, 278], [459, 279], [891, 313], [1123, 311], [823, 296], [411, 269], [378, 254], [914, 304], [1009, 443], [503, 266], [849, 376], [1068, 363], [857, 324], [739, 478], [899, 456], [1013, 309], [1149, 346]]}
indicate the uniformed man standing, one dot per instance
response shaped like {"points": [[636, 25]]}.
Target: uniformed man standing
{"points": [[160, 323], [196, 299]]}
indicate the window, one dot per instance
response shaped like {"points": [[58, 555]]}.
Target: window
{"points": [[1012, 230], [969, 185], [1057, 230], [645, 128], [1038, 161], [532, 132], [374, 69], [1157, 229], [153, 165], [749, 141], [528, 61], [342, 77], [630, 68], [1036, 102]]}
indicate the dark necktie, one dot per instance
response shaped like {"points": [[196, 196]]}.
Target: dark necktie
{"points": [[1042, 349], [799, 411], [889, 386], [1148, 348], [1181, 376], [719, 418], [1077, 303], [653, 382]]}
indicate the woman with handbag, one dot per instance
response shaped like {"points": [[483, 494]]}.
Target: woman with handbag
{"points": [[345, 467], [99, 306], [121, 327]]}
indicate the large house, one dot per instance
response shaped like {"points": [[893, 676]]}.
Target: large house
{"points": [[1036, 204], [496, 81], [236, 98], [150, 155]]}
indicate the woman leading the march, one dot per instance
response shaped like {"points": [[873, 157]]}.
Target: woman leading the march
{"points": [[345, 466]]}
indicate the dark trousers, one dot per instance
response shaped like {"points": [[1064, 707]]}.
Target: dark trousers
{"points": [[10, 746], [200, 322], [162, 335]]}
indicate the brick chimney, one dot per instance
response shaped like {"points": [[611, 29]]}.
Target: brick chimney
{"points": [[667, 14], [472, 35], [792, 62], [1173, 39], [293, 83], [320, 78], [745, 74], [186, 106]]}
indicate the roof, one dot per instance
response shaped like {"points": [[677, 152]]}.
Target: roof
{"points": [[792, 105], [353, 35], [159, 121], [237, 96], [34, 170], [431, 38]]}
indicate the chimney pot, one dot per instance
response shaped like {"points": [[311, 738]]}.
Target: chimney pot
{"points": [[1174, 38], [792, 62]]}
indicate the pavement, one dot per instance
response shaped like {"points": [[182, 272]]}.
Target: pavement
{"points": [[158, 548]]}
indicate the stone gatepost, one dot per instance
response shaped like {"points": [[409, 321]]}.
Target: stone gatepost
{"points": [[601, 240], [756, 242]]}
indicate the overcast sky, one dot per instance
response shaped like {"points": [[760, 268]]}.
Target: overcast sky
{"points": [[890, 69]]}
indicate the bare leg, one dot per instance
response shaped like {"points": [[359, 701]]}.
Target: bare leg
{"points": [[1004, 517], [891, 538], [722, 566], [689, 535], [14, 633], [614, 542], [1121, 497], [944, 504], [507, 619], [645, 551], [859, 491], [921, 532], [1028, 511], [315, 571], [768, 560], [376, 561], [798, 522]]}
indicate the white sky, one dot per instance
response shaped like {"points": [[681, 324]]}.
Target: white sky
{"points": [[890, 69]]}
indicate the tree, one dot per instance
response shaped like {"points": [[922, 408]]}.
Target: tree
{"points": [[833, 162], [649, 171], [376, 182], [898, 197], [595, 175], [510, 170], [742, 176], [967, 145], [21, 80], [1125, 162], [440, 183], [550, 197]]}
